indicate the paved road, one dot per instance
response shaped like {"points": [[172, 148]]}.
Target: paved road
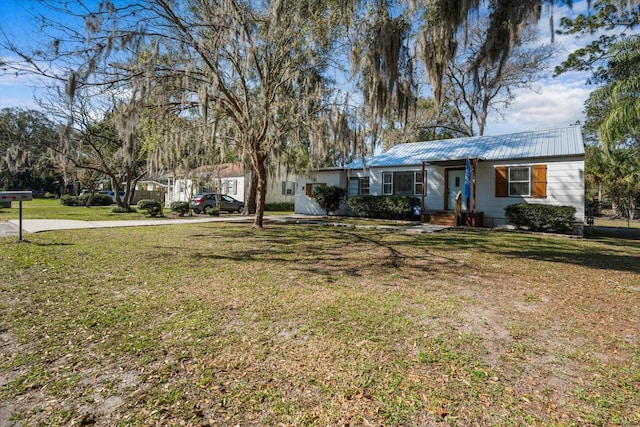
{"points": [[10, 228]]}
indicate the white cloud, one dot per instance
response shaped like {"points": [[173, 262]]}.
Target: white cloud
{"points": [[558, 104]]}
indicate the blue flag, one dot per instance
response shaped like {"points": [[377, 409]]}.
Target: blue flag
{"points": [[467, 180]]}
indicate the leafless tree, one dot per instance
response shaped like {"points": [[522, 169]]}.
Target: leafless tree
{"points": [[476, 90]]}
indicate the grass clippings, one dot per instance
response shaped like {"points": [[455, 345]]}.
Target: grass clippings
{"points": [[217, 324]]}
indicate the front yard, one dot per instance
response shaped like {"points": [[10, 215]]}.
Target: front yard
{"points": [[216, 324]]}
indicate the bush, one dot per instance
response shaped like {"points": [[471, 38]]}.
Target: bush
{"points": [[181, 208], [280, 207], [153, 207], [537, 217], [386, 207], [68, 200], [120, 210], [97, 200], [329, 197]]}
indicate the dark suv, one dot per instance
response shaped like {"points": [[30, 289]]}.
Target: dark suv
{"points": [[207, 201]]}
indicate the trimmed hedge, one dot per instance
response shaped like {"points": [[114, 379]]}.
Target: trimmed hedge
{"points": [[386, 207], [68, 200], [121, 210], [279, 207], [97, 200], [537, 217], [181, 208], [153, 207]]}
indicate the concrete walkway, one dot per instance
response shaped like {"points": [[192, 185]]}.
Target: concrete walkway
{"points": [[39, 225], [10, 228]]}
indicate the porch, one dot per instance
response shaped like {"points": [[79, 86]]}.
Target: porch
{"points": [[450, 219]]}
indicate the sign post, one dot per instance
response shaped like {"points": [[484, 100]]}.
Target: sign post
{"points": [[16, 196]]}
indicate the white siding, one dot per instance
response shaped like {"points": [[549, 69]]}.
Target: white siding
{"points": [[565, 186]]}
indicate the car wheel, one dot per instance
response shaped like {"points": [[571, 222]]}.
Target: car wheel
{"points": [[240, 209], [196, 211]]}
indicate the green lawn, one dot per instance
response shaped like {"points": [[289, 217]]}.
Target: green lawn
{"points": [[53, 209], [219, 324]]}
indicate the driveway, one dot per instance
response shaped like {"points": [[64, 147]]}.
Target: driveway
{"points": [[10, 228]]}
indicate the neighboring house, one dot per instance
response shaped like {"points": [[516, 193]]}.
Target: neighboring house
{"points": [[149, 189], [207, 179], [544, 166], [231, 178]]}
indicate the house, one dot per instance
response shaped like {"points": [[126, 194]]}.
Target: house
{"points": [[545, 166], [231, 178], [206, 179], [149, 189]]}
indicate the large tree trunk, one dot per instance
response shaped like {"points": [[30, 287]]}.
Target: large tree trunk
{"points": [[615, 204], [257, 160], [250, 205]]}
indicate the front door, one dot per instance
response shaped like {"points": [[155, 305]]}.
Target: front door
{"points": [[455, 183]]}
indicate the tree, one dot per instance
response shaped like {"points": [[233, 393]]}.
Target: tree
{"points": [[475, 87], [329, 198], [618, 171], [619, 121], [614, 59], [252, 74], [427, 123], [610, 21], [26, 137], [613, 109]]}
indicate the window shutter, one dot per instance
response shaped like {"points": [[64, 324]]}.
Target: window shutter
{"points": [[502, 183], [307, 189], [539, 181], [284, 188]]}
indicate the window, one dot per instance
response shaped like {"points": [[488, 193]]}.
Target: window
{"points": [[358, 186], [308, 190], [417, 183], [521, 181], [402, 183], [288, 188], [230, 186], [387, 183], [364, 185]]}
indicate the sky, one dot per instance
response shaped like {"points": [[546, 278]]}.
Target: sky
{"points": [[555, 102]]}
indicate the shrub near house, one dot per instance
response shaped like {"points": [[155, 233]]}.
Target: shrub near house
{"points": [[387, 207], [537, 217], [329, 198], [152, 207]]}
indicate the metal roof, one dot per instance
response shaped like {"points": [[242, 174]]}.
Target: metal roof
{"points": [[542, 143]]}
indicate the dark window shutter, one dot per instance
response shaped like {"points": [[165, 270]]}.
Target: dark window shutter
{"points": [[308, 189], [502, 182], [539, 181]]}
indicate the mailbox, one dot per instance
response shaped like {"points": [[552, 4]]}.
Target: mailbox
{"points": [[16, 196]]}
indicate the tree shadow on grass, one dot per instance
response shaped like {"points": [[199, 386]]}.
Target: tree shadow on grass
{"points": [[45, 244], [385, 251]]}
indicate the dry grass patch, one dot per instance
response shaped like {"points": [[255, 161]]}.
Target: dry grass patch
{"points": [[219, 324]]}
